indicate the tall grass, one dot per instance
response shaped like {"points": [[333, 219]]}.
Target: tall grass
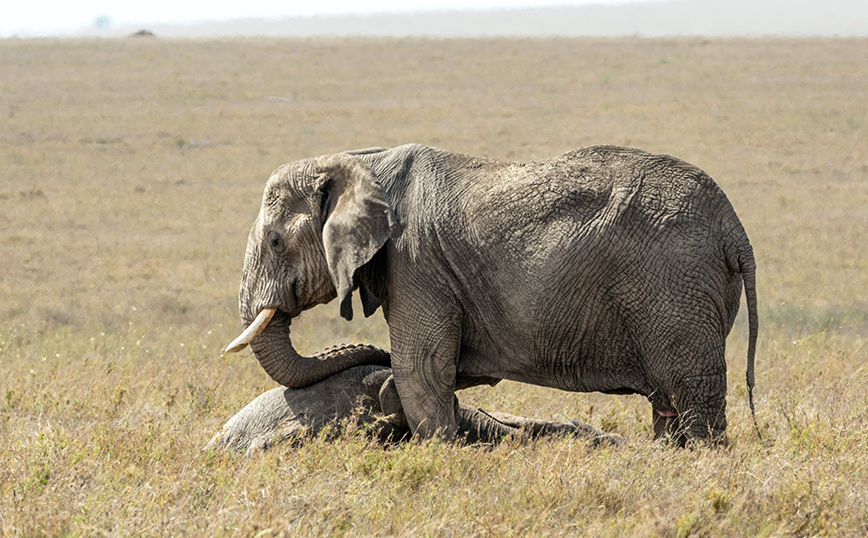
{"points": [[131, 170]]}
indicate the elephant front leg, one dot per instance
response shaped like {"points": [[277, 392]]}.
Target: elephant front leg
{"points": [[427, 395], [424, 366]]}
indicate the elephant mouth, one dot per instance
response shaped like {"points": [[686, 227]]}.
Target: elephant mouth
{"points": [[261, 321], [252, 331]]}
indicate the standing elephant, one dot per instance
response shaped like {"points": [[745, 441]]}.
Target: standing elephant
{"points": [[605, 269]]}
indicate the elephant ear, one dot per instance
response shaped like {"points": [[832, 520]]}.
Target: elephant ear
{"points": [[358, 219]]}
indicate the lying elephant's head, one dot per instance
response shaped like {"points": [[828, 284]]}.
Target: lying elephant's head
{"points": [[320, 220]]}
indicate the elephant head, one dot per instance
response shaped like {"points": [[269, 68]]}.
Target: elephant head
{"points": [[320, 221]]}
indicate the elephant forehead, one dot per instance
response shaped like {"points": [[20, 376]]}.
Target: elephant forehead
{"points": [[285, 203], [292, 181], [292, 220], [282, 206], [281, 195]]}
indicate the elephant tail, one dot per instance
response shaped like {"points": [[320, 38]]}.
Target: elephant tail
{"points": [[747, 265]]}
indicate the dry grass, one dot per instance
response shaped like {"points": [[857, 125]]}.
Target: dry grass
{"points": [[130, 171]]}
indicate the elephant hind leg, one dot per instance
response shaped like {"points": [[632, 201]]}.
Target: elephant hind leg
{"points": [[688, 373], [699, 412], [704, 402]]}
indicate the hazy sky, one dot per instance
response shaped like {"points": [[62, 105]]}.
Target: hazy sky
{"points": [[27, 18]]}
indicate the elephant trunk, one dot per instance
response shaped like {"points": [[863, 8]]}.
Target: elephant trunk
{"points": [[268, 336]]}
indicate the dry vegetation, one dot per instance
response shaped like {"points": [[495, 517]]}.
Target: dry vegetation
{"points": [[131, 170]]}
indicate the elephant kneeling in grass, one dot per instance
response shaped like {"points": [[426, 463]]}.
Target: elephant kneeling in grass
{"points": [[366, 396], [604, 269]]}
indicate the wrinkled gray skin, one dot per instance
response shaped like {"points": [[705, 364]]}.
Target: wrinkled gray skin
{"points": [[604, 269], [366, 395]]}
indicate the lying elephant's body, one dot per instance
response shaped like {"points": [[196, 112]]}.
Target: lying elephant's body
{"points": [[360, 393]]}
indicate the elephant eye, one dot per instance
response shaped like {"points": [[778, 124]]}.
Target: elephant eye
{"points": [[274, 240]]}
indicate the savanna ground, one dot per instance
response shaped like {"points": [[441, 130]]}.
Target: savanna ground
{"points": [[131, 170]]}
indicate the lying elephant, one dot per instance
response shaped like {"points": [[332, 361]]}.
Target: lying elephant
{"points": [[604, 269], [366, 396]]}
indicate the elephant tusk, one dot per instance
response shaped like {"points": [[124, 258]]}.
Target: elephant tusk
{"points": [[260, 323]]}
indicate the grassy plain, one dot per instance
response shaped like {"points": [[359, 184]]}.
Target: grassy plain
{"points": [[131, 170]]}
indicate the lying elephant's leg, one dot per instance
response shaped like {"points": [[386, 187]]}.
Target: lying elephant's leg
{"points": [[536, 428], [477, 426]]}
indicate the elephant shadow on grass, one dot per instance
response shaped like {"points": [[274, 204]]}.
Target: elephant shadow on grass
{"points": [[364, 397]]}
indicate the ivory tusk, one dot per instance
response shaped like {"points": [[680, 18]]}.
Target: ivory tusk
{"points": [[260, 323]]}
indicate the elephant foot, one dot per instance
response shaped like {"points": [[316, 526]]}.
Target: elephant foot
{"points": [[397, 420], [387, 433]]}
